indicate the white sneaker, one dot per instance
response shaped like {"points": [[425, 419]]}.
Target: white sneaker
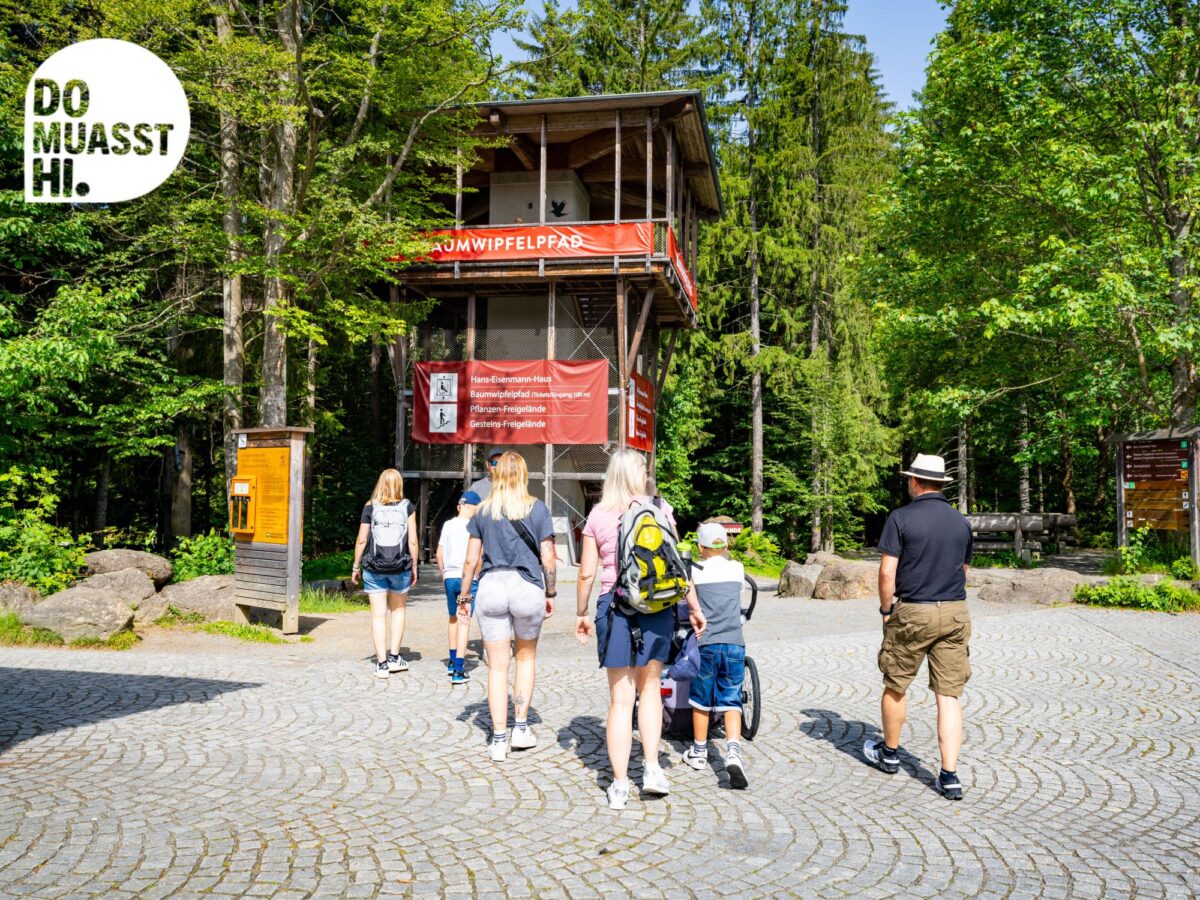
{"points": [[654, 782], [736, 769], [523, 739], [697, 759], [618, 796], [499, 750], [396, 663], [381, 670]]}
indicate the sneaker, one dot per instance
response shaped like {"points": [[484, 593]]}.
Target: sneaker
{"points": [[449, 670], [618, 796], [878, 756], [396, 664], [459, 677], [381, 670], [654, 782], [523, 739], [499, 750], [697, 759], [736, 771], [949, 785]]}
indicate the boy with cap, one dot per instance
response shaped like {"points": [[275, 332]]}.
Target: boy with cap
{"points": [[451, 554], [718, 687]]}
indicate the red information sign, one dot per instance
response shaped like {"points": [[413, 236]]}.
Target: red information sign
{"points": [[534, 241], [511, 402], [681, 269], [640, 413]]}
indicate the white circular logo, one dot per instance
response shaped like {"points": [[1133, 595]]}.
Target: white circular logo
{"points": [[105, 121]]}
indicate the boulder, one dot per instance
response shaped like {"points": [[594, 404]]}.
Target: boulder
{"points": [[1045, 586], [983, 576], [209, 595], [81, 612], [799, 581], [157, 567], [17, 598], [131, 585], [149, 610], [844, 579]]}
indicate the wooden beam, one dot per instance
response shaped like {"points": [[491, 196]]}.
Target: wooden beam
{"points": [[640, 330], [670, 173], [666, 363], [551, 310], [520, 148], [617, 168], [556, 123], [542, 191], [649, 168], [622, 369]]}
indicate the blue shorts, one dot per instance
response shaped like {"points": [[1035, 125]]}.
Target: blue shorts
{"points": [[718, 687], [453, 589], [614, 636], [379, 582]]}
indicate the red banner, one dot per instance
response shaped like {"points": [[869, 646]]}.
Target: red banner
{"points": [[511, 402], [641, 413], [533, 241], [681, 269]]}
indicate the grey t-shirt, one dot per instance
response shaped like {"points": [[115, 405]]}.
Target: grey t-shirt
{"points": [[719, 582], [503, 547], [482, 487]]}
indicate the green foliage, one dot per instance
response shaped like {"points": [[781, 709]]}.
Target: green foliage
{"points": [[174, 616], [680, 429], [257, 634], [203, 554], [328, 567], [122, 640], [14, 634], [329, 602], [1184, 569], [756, 551], [33, 549], [1130, 593]]}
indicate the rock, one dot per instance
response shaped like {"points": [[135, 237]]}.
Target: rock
{"points": [[209, 595], [1045, 586], [157, 567], [981, 577], [799, 581], [150, 610], [131, 585], [844, 579], [17, 598], [81, 612]]}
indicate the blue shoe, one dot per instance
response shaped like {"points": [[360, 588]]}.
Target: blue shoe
{"points": [[880, 757], [457, 677]]}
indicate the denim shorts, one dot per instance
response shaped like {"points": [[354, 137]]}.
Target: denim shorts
{"points": [[718, 687], [614, 636], [453, 589], [393, 583]]}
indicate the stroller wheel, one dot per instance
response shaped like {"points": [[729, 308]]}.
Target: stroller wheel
{"points": [[751, 701]]}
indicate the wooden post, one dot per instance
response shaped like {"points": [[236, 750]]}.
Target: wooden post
{"points": [[1122, 530], [551, 303], [398, 355], [649, 177], [636, 343], [670, 198], [458, 198], [542, 194], [469, 355], [1193, 519], [617, 183], [423, 507], [622, 369]]}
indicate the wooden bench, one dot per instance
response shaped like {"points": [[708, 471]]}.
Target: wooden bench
{"points": [[1021, 533]]}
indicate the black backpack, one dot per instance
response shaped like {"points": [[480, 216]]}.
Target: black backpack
{"points": [[387, 545]]}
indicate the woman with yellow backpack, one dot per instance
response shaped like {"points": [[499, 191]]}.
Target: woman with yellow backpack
{"points": [[633, 626]]}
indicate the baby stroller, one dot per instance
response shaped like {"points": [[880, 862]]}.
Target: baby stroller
{"points": [[677, 712]]}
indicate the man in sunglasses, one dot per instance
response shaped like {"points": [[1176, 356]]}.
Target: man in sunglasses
{"points": [[483, 486]]}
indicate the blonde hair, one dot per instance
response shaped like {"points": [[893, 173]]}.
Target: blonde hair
{"points": [[624, 480], [389, 488], [509, 497]]}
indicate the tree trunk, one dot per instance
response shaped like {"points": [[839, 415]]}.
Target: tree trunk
{"points": [[1102, 459], [273, 399], [1023, 450], [820, 525], [1183, 367], [310, 384], [376, 392], [181, 484], [100, 515], [756, 399], [1069, 474], [234, 345], [964, 470]]}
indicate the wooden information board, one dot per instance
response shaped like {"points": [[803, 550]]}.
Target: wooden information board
{"points": [[271, 466], [1156, 484]]}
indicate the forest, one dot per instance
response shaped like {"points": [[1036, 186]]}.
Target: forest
{"points": [[1002, 274]]}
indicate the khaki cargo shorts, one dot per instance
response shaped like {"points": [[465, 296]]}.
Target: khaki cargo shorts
{"points": [[939, 631]]}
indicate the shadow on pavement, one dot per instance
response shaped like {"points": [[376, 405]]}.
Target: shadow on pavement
{"points": [[480, 716], [847, 736], [34, 702]]}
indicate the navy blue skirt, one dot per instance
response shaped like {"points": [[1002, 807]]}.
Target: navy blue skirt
{"points": [[614, 636]]}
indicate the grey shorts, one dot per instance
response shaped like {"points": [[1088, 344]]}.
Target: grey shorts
{"points": [[506, 605]]}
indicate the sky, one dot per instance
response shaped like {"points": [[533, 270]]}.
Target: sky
{"points": [[898, 32]]}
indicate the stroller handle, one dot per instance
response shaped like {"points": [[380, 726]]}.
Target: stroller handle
{"points": [[749, 611]]}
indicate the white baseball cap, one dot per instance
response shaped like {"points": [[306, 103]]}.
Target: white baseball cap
{"points": [[712, 535]]}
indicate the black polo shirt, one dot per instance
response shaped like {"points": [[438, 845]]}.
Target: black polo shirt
{"points": [[932, 540]]}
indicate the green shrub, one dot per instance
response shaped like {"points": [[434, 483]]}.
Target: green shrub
{"points": [[33, 549], [327, 568], [1184, 569], [204, 554], [14, 634], [756, 550], [1130, 593]]}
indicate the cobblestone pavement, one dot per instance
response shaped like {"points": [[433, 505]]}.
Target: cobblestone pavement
{"points": [[283, 772]]}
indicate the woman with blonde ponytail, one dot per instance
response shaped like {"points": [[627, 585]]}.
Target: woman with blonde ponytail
{"points": [[513, 536]]}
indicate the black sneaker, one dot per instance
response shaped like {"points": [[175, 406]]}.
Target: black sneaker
{"points": [[881, 757], [949, 785]]}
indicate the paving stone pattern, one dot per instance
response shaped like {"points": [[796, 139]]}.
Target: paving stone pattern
{"points": [[156, 774]]}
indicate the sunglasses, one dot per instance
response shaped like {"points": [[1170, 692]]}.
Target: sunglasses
{"points": [[493, 461]]}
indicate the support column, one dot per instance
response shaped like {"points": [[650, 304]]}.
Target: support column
{"points": [[469, 355], [622, 368], [458, 201], [670, 192], [617, 183], [649, 177], [398, 356], [551, 305], [542, 194], [423, 506]]}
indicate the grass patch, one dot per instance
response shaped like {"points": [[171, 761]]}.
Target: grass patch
{"points": [[323, 568], [175, 616], [312, 601], [1130, 593], [258, 634], [14, 634], [306, 638], [122, 640]]}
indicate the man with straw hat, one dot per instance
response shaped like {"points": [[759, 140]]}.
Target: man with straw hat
{"points": [[926, 549]]}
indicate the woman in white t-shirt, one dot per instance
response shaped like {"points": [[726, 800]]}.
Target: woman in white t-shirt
{"points": [[633, 671], [451, 554]]}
